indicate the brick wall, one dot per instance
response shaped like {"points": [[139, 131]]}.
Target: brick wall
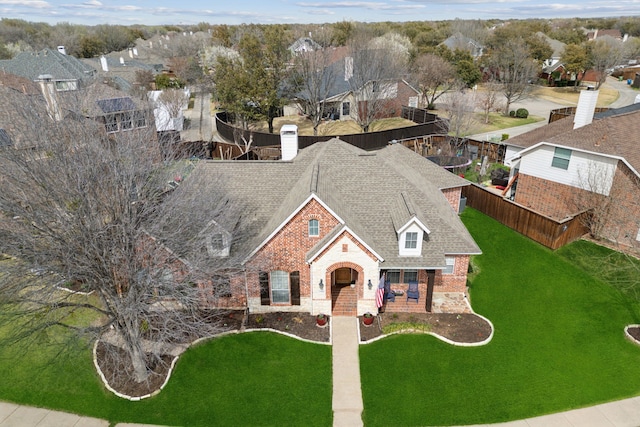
{"points": [[453, 197], [621, 211], [287, 249], [547, 197]]}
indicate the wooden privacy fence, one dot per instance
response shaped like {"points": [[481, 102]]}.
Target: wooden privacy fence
{"points": [[540, 228], [366, 141]]}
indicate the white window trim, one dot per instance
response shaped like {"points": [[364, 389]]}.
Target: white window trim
{"points": [[272, 288], [317, 228], [450, 262]]}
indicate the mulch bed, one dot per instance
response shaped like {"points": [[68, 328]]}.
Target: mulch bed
{"points": [[634, 331], [298, 324], [463, 328]]}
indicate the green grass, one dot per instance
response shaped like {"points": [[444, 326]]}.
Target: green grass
{"points": [[255, 378], [558, 344]]}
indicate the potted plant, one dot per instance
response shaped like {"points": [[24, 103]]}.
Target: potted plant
{"points": [[367, 318], [321, 320]]}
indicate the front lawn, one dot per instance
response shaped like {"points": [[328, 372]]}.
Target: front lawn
{"points": [[257, 378], [558, 344]]}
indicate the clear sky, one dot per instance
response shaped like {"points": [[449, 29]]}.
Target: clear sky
{"points": [[233, 12]]}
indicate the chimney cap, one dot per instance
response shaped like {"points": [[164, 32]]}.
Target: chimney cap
{"points": [[45, 77]]}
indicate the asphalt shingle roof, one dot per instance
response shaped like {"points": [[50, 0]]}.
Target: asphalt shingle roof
{"points": [[361, 187], [615, 134], [61, 67]]}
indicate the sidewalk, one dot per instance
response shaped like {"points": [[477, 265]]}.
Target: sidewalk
{"points": [[347, 394]]}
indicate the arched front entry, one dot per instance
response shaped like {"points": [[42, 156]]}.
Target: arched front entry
{"points": [[346, 285]]}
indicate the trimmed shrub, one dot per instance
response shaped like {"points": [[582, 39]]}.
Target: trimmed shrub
{"points": [[522, 113], [505, 136], [512, 113]]}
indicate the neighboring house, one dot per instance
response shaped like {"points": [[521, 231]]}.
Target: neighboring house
{"points": [[116, 110], [121, 70], [552, 68], [594, 34], [575, 164], [460, 42], [340, 103], [65, 71], [304, 44], [323, 227], [16, 127]]}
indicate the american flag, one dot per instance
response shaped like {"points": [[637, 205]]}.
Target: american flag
{"points": [[380, 292]]}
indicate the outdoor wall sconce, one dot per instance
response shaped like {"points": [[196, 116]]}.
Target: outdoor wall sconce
{"points": [[321, 284], [369, 284]]}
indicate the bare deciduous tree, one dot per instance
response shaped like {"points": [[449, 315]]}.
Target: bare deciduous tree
{"points": [[435, 76], [174, 101], [513, 67], [81, 206], [604, 53], [490, 99], [459, 107], [372, 75], [313, 80]]}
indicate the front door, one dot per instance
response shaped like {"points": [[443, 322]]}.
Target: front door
{"points": [[344, 293]]}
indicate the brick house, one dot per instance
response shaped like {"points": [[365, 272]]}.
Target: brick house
{"points": [[324, 226], [385, 96], [582, 162]]}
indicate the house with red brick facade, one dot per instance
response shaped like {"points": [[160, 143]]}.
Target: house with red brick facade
{"points": [[323, 227], [582, 162]]}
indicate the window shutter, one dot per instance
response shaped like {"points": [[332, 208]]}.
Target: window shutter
{"points": [[294, 278], [263, 277]]}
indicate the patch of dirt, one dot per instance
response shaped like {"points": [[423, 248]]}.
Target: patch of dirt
{"points": [[634, 331], [299, 324], [111, 360], [462, 328]]}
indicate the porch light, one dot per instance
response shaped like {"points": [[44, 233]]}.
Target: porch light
{"points": [[369, 284], [321, 284]]}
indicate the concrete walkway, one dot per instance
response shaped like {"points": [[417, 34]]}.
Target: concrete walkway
{"points": [[347, 394], [201, 122]]}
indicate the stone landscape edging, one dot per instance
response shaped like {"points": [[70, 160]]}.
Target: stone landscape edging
{"points": [[175, 359], [629, 336]]}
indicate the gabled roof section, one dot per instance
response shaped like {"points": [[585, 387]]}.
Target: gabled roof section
{"points": [[48, 61], [330, 238], [613, 136], [403, 214], [356, 186], [304, 44]]}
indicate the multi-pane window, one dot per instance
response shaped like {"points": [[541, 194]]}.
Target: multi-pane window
{"points": [[346, 108], [561, 157], [450, 262], [279, 286], [314, 227], [409, 276], [124, 121], [411, 240], [393, 276]]}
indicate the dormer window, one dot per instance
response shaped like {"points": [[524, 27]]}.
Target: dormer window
{"points": [[411, 237], [314, 228], [217, 240], [411, 240]]}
